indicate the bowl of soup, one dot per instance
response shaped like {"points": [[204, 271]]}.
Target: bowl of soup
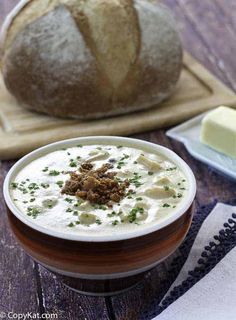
{"points": [[100, 211]]}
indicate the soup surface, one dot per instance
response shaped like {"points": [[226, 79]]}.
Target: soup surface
{"points": [[98, 189]]}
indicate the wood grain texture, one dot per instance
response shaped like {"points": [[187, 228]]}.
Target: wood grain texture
{"points": [[66, 303], [208, 32], [17, 271], [5, 8], [207, 29]]}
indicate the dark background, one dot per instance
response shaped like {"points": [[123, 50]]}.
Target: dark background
{"points": [[208, 29]]}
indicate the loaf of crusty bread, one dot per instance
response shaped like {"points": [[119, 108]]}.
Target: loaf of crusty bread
{"points": [[90, 58]]}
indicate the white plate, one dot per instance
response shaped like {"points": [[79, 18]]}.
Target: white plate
{"points": [[189, 134]]}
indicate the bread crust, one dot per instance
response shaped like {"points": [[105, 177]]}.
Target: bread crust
{"points": [[59, 63]]}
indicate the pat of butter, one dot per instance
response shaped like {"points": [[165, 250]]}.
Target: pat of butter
{"points": [[218, 130]]}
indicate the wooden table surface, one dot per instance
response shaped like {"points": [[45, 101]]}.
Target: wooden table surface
{"points": [[208, 31]]}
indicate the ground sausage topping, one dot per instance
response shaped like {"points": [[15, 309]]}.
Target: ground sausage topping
{"points": [[97, 186], [92, 189]]}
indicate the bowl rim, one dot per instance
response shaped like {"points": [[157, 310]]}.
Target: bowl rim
{"points": [[114, 140]]}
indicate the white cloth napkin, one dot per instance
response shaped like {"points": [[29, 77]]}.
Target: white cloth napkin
{"points": [[214, 296]]}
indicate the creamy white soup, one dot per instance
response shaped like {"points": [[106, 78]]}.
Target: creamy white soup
{"points": [[96, 189]]}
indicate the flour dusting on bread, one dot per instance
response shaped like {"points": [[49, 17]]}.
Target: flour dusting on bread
{"points": [[90, 58]]}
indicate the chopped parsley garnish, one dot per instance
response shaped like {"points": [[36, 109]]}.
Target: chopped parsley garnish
{"points": [[45, 185], [75, 213], [115, 222], [136, 180], [139, 199], [166, 188], [69, 200], [60, 183], [33, 186], [69, 210], [171, 169], [137, 184], [132, 216], [78, 203], [45, 169], [100, 206], [150, 173], [112, 214], [131, 192], [71, 225], [14, 185], [125, 156], [54, 173], [121, 162], [179, 195], [33, 212], [98, 221], [79, 145], [166, 205], [32, 199], [119, 147], [73, 163]]}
